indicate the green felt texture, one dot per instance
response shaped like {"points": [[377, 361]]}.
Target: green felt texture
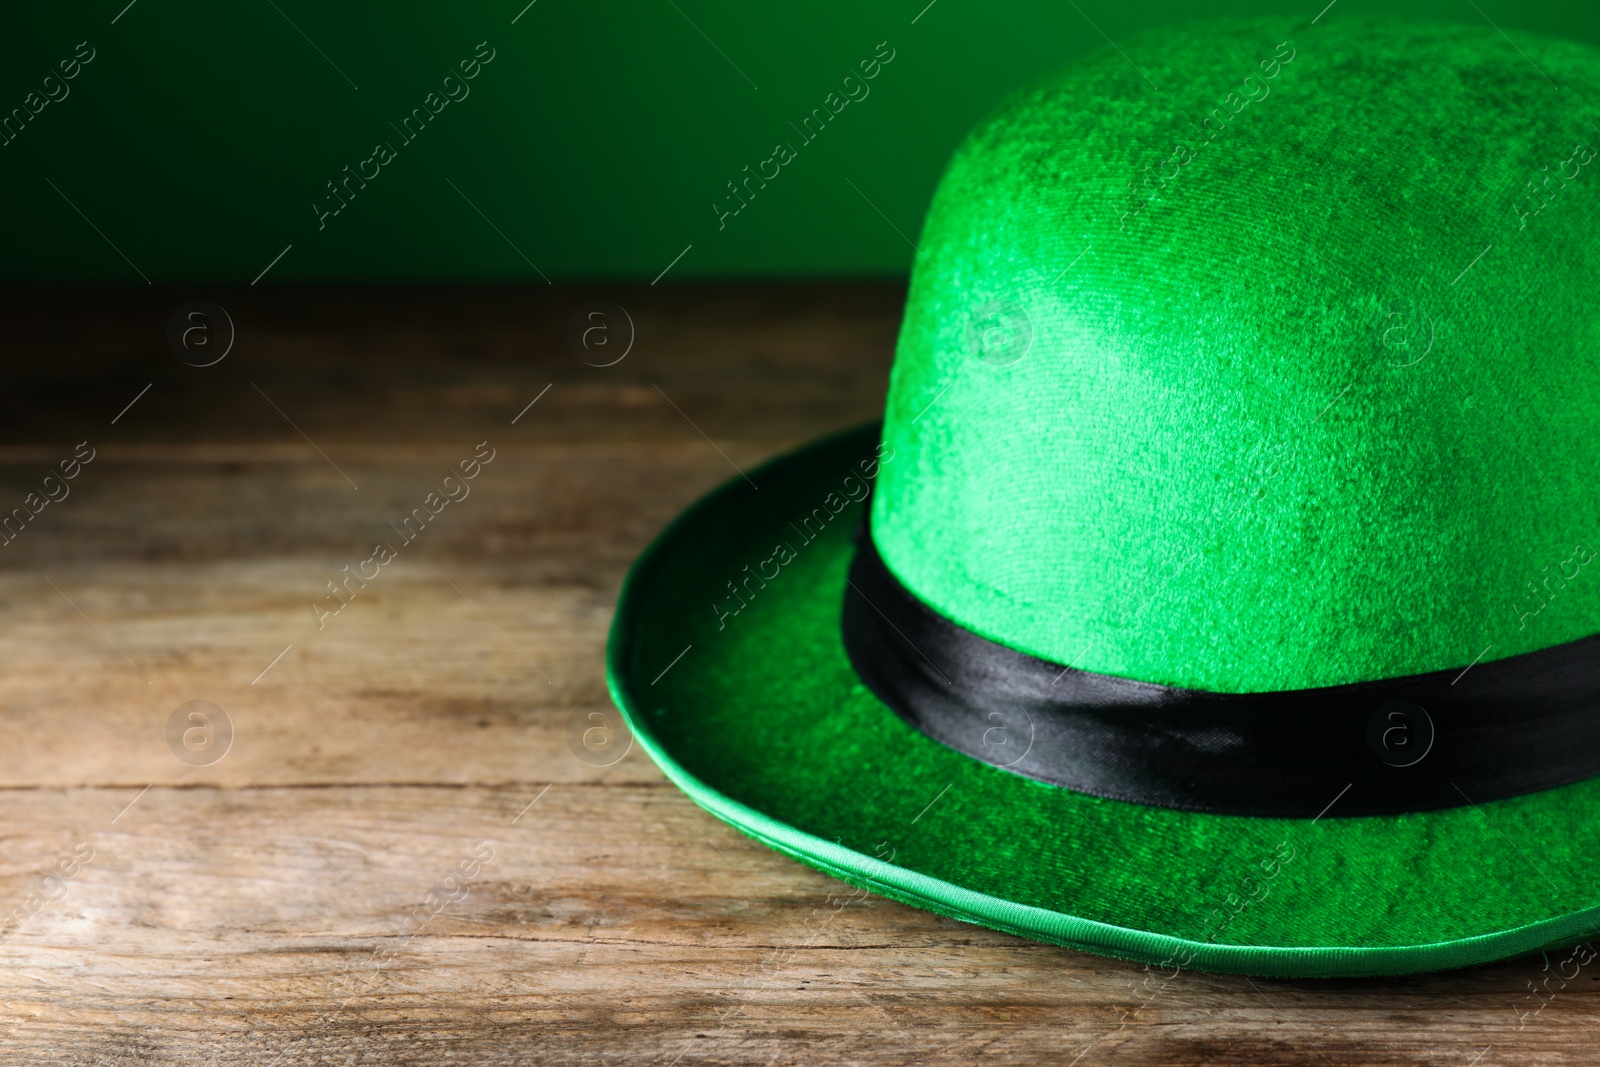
{"points": [[1230, 459], [764, 722]]}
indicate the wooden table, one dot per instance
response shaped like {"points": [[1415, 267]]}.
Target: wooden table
{"points": [[400, 858]]}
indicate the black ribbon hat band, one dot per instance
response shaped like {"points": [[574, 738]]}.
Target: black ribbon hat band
{"points": [[1418, 743]]}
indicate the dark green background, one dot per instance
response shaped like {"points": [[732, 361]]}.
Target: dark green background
{"points": [[597, 140]]}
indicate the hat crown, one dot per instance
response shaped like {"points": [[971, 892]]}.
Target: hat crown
{"points": [[1261, 356]]}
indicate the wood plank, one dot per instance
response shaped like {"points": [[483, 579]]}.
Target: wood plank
{"points": [[263, 909], [607, 921]]}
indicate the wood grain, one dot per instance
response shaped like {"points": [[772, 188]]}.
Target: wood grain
{"points": [[304, 899]]}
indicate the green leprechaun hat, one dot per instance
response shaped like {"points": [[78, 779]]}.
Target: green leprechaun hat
{"points": [[1227, 599]]}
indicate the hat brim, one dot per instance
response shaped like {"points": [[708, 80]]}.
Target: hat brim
{"points": [[743, 695]]}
